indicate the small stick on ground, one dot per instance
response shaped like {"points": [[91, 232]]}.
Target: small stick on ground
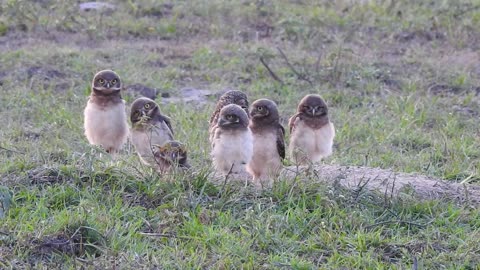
{"points": [[299, 76], [165, 235], [360, 187], [10, 150], [274, 76], [226, 178], [396, 221]]}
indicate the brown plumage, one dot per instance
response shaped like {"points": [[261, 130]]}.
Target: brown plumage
{"points": [[231, 97], [311, 132], [268, 140], [105, 117], [171, 155], [149, 127]]}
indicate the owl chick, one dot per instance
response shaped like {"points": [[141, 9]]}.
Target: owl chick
{"points": [[232, 145], [172, 154], [149, 127], [230, 97], [105, 117], [268, 140], [311, 132]]}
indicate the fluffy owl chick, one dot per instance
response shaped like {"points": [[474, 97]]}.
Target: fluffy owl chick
{"points": [[232, 145], [311, 132], [230, 97], [105, 117], [172, 154], [268, 140], [149, 127]]}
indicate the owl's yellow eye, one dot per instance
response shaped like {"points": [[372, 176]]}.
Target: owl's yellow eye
{"points": [[229, 117], [260, 108], [114, 81], [101, 81], [147, 106]]}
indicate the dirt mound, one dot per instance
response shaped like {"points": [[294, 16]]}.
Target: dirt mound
{"points": [[385, 181], [394, 183]]}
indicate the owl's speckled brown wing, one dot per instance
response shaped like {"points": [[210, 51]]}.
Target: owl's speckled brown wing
{"points": [[168, 122], [281, 141], [214, 117], [230, 97]]}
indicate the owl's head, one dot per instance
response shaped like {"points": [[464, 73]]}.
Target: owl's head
{"points": [[143, 109], [233, 116], [106, 82], [235, 97], [264, 110], [172, 152], [313, 106]]}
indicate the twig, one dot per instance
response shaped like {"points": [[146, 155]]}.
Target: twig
{"points": [[290, 192], [88, 228], [10, 150], [165, 235], [415, 263], [226, 178], [393, 186], [391, 212], [274, 76], [386, 201], [465, 189], [299, 76], [360, 187], [396, 221]]}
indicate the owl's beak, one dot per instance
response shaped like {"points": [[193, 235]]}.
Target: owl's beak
{"points": [[108, 84], [255, 114], [222, 122], [313, 111]]}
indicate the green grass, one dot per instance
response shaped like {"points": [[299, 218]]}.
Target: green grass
{"points": [[401, 79]]}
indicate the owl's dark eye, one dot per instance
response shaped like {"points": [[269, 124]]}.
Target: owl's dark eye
{"points": [[114, 81], [147, 106], [101, 81]]}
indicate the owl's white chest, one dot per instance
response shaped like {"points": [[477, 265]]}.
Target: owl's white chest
{"points": [[314, 144], [266, 159], [232, 150], [106, 126]]}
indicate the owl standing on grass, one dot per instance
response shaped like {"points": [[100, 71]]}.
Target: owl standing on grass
{"points": [[149, 127], [232, 141], [105, 117], [231, 97], [311, 132], [268, 141]]}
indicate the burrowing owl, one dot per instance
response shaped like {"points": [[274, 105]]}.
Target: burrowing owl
{"points": [[105, 116], [311, 132]]}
